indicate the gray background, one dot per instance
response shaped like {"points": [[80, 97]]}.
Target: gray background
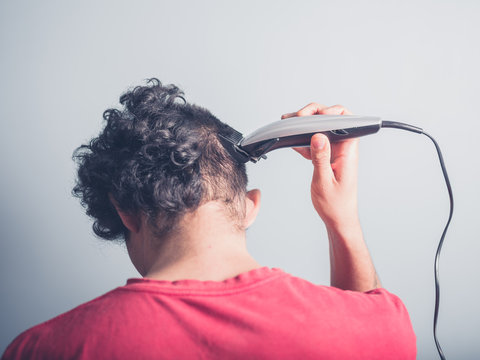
{"points": [[63, 63]]}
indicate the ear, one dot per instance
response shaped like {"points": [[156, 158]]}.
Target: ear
{"points": [[252, 206], [131, 222]]}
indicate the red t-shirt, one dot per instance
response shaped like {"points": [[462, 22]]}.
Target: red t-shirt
{"points": [[262, 314]]}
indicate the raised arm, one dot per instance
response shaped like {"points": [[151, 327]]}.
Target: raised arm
{"points": [[334, 196]]}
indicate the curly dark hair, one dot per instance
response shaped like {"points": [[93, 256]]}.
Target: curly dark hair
{"points": [[159, 156]]}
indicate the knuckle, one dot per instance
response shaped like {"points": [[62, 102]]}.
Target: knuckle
{"points": [[309, 109], [318, 159], [342, 109]]}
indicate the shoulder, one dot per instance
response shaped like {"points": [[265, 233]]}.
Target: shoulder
{"points": [[304, 286], [376, 318], [378, 300], [44, 338]]}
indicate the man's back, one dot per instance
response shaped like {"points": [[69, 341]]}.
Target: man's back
{"points": [[263, 313]]}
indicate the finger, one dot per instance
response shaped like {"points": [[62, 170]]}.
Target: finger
{"points": [[320, 151], [289, 115], [335, 110], [304, 151], [311, 109]]}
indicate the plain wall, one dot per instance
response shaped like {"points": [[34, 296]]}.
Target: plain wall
{"points": [[63, 63]]}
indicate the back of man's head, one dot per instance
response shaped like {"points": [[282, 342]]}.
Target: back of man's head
{"points": [[158, 156]]}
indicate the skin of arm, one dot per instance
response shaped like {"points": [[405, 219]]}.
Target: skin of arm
{"points": [[334, 196]]}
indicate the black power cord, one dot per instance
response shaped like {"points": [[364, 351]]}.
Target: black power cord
{"points": [[398, 125]]}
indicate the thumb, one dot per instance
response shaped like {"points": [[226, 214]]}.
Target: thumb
{"points": [[320, 151]]}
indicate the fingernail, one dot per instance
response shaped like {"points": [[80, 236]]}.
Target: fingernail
{"points": [[318, 142]]}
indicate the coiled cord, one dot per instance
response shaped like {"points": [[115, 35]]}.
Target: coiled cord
{"points": [[398, 125]]}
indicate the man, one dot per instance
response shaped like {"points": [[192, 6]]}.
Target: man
{"points": [[158, 177]]}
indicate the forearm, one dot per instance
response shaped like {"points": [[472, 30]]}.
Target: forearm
{"points": [[351, 267]]}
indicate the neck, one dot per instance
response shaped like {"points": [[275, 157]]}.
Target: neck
{"points": [[206, 246]]}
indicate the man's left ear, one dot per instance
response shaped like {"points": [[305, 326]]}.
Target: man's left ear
{"points": [[252, 206], [131, 222]]}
